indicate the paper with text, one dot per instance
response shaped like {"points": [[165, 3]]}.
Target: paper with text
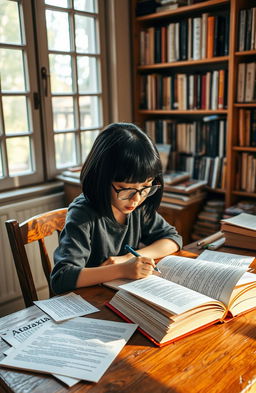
{"points": [[80, 348], [65, 307], [167, 295], [19, 318], [226, 258], [19, 334], [210, 278]]}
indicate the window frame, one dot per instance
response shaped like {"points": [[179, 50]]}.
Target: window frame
{"points": [[43, 153], [28, 46], [47, 116]]}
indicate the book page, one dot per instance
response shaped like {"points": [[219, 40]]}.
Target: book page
{"points": [[65, 307], [81, 348], [210, 278], [226, 258], [167, 295]]}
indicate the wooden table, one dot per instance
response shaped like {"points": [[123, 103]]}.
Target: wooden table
{"points": [[219, 359]]}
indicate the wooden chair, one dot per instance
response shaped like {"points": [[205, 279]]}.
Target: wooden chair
{"points": [[31, 230]]}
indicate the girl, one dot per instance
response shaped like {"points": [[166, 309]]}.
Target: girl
{"points": [[122, 188]]}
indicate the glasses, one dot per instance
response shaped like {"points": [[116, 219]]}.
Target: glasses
{"points": [[129, 193]]}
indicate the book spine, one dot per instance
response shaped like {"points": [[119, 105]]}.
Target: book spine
{"points": [[242, 30], [204, 36], [241, 82], [196, 38], [184, 39], [248, 29], [221, 89], [250, 80], [210, 35]]}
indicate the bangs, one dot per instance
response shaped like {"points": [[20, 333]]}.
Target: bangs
{"points": [[137, 164]]}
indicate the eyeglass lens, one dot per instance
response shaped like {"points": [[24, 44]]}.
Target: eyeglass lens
{"points": [[145, 192]]}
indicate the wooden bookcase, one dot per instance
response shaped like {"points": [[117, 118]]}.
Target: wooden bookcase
{"points": [[230, 62]]}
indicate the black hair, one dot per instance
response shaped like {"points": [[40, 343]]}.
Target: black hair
{"points": [[122, 152]]}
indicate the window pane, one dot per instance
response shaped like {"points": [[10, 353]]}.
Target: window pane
{"points": [[61, 73], [85, 34], [63, 113], [84, 5], [57, 3], [65, 150], [89, 112], [12, 70], [15, 115], [9, 22], [19, 157], [57, 30], [87, 74], [87, 139]]}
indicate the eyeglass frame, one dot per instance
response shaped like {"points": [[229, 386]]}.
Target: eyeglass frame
{"points": [[136, 190]]}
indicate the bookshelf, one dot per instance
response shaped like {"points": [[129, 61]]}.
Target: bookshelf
{"points": [[148, 75]]}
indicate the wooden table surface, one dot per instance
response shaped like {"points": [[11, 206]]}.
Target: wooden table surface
{"points": [[219, 359]]}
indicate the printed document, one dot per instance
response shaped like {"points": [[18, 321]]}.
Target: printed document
{"points": [[81, 348], [19, 334], [65, 307]]}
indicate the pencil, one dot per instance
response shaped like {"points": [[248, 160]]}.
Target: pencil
{"points": [[133, 252]]}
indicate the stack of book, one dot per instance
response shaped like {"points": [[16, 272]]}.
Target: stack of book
{"points": [[167, 5], [240, 231], [208, 220], [244, 206], [184, 193]]}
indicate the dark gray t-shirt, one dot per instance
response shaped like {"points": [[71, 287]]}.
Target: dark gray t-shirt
{"points": [[88, 240]]}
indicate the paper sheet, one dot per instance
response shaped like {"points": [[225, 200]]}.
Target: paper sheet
{"points": [[80, 348], [65, 307]]}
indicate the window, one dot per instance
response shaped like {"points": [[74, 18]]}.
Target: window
{"points": [[51, 93]]}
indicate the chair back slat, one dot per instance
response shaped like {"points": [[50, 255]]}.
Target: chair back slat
{"points": [[31, 230], [46, 263], [41, 226]]}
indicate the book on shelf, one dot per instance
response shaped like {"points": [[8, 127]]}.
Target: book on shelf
{"points": [[247, 32], [250, 81], [188, 296], [187, 186], [208, 219], [182, 199], [170, 6], [174, 177], [243, 206], [242, 30]]}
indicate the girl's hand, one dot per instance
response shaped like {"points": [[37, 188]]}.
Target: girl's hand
{"points": [[138, 267]]}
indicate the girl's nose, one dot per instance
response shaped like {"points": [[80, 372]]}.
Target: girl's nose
{"points": [[136, 197]]}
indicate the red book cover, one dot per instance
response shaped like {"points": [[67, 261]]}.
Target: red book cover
{"points": [[203, 97]]}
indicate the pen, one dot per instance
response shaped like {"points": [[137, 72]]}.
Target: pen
{"points": [[133, 252], [216, 244], [210, 239]]}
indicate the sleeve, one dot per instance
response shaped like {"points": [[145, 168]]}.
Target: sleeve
{"points": [[156, 227], [72, 254]]}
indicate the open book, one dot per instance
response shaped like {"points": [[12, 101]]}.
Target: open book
{"points": [[189, 295]]}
